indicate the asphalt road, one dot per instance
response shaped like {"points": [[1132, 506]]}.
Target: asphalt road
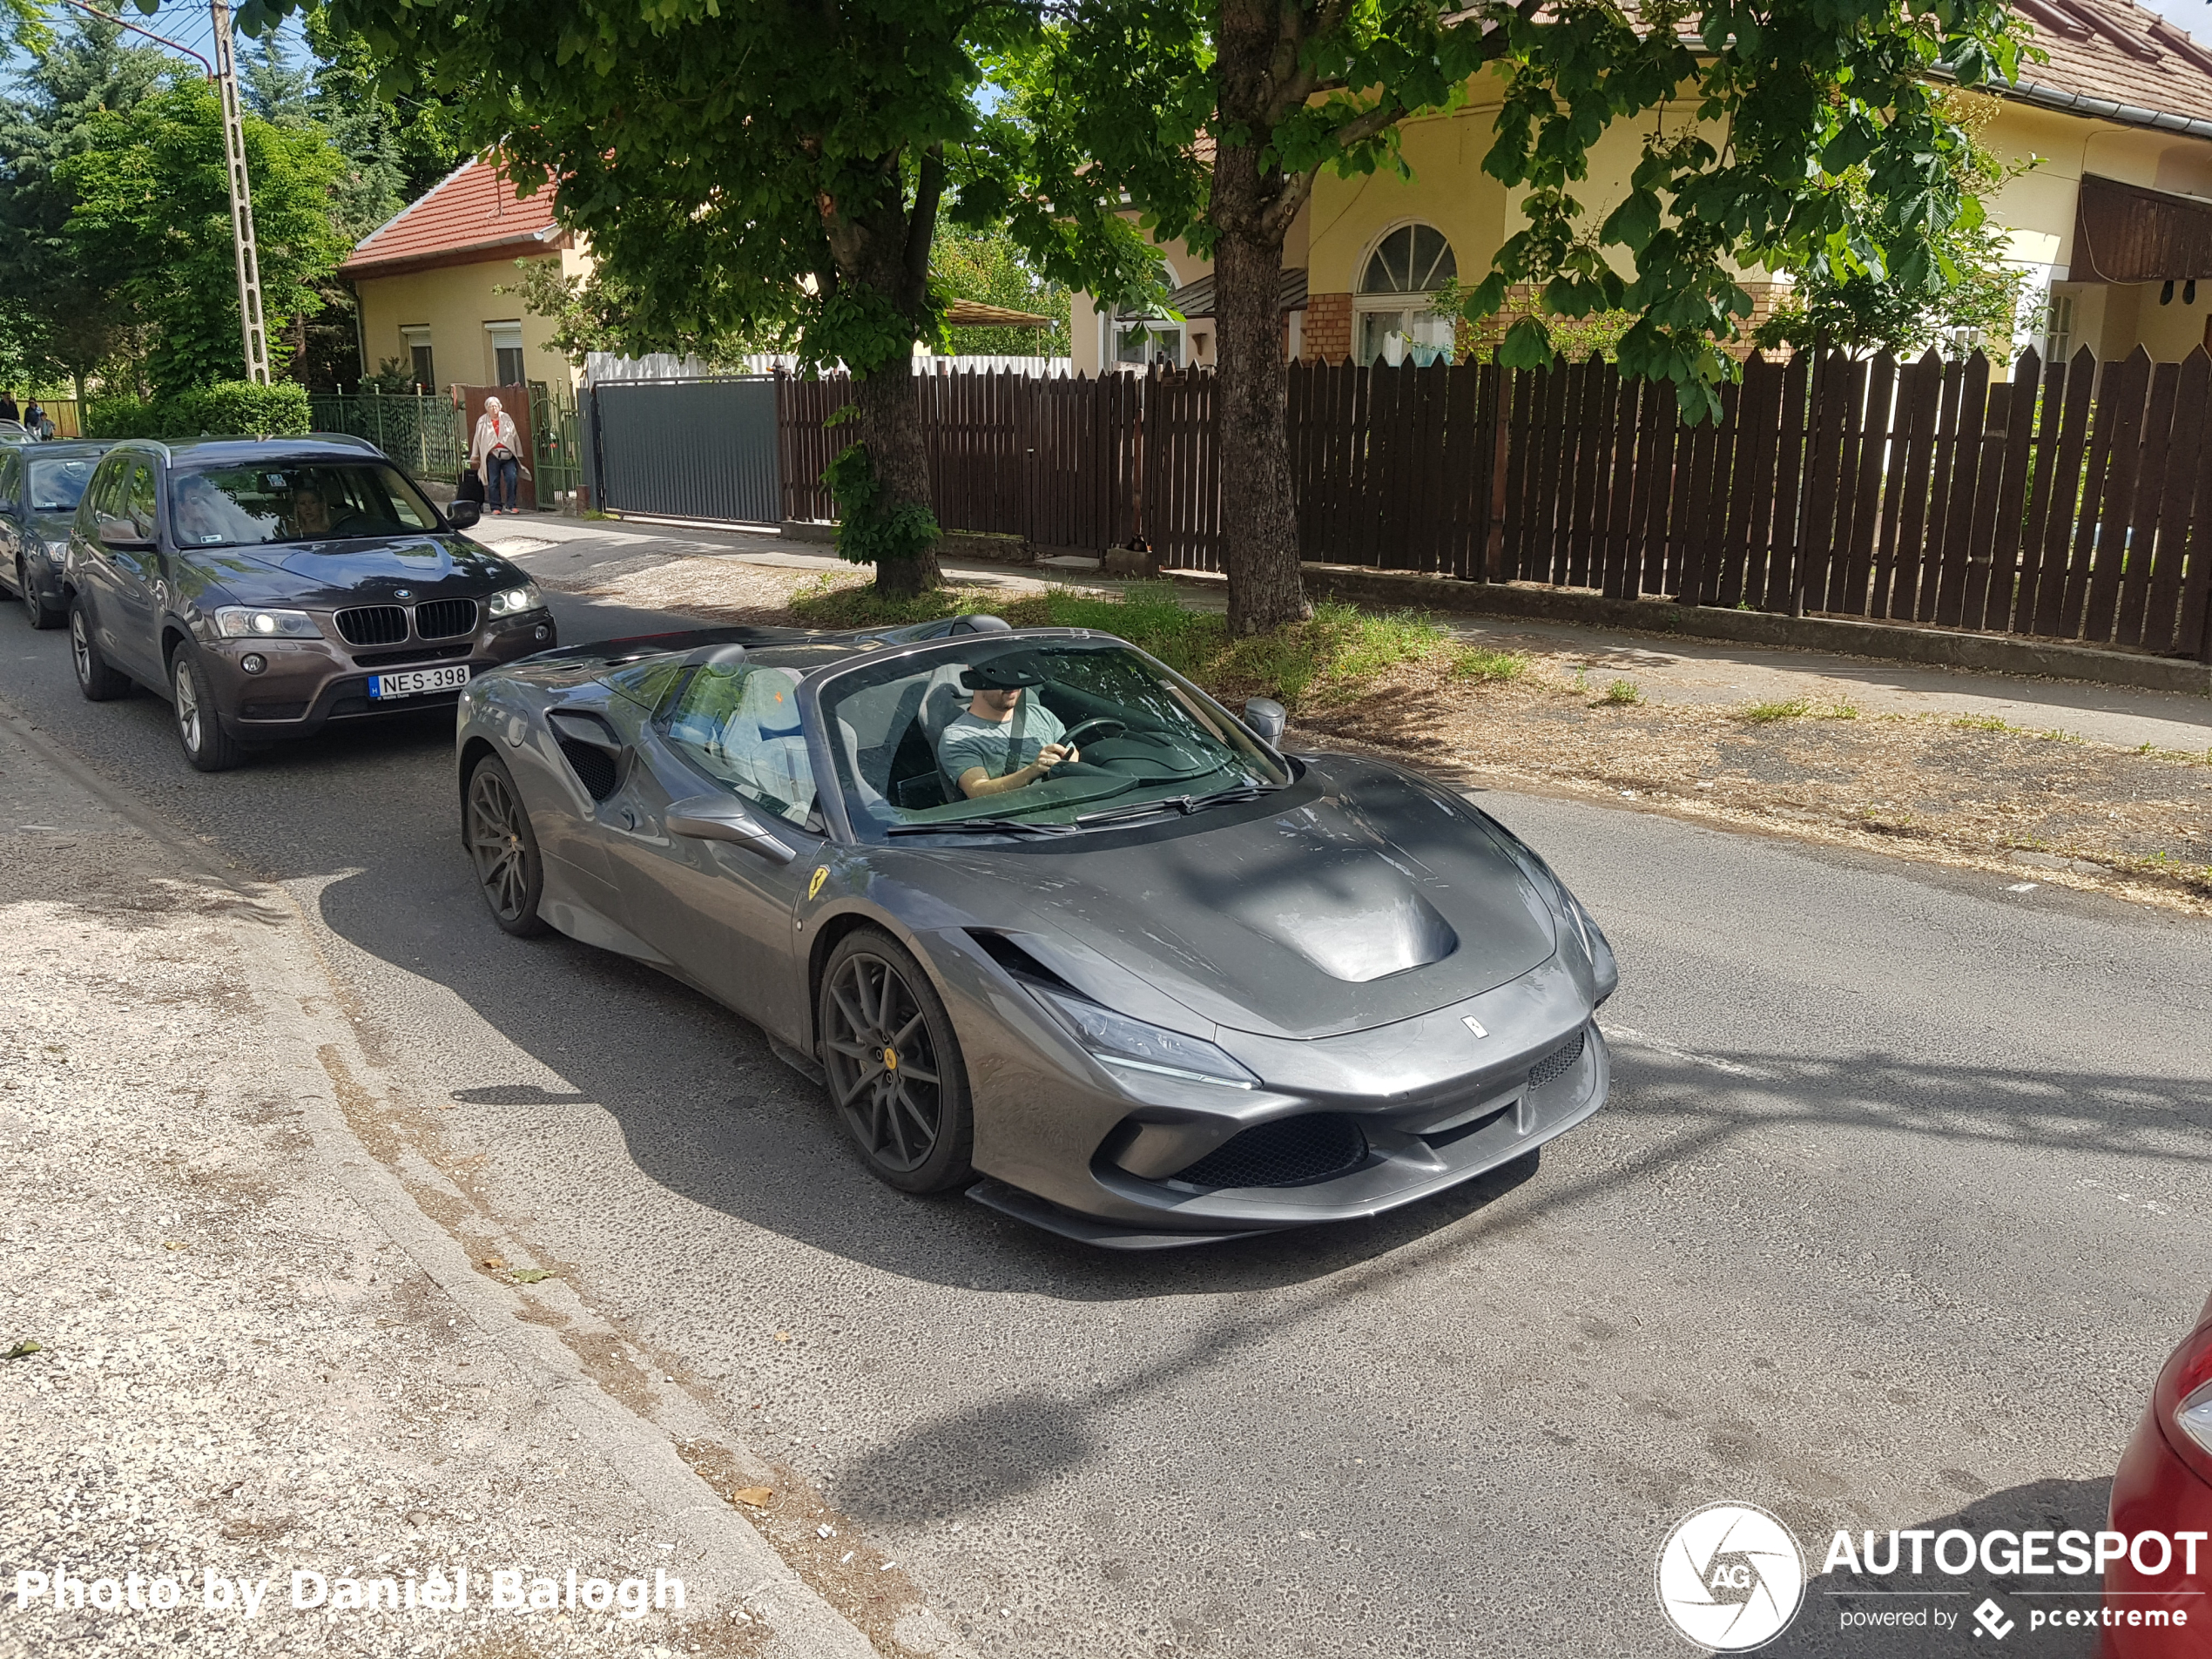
{"points": [[1901, 1198]]}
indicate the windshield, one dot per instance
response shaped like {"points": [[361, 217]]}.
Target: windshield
{"points": [[56, 486], [307, 501], [1017, 735]]}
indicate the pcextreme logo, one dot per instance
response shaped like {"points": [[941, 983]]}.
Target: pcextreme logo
{"points": [[1730, 1577]]}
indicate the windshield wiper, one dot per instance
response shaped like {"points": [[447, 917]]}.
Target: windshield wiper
{"points": [[1183, 803], [951, 825]]}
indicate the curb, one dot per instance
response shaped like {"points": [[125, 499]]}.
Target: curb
{"points": [[1989, 653]]}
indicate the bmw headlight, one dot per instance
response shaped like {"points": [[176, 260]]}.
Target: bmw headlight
{"points": [[250, 622], [512, 602], [58, 552], [1116, 1040]]}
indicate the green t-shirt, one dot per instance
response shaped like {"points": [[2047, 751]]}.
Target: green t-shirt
{"points": [[998, 747]]}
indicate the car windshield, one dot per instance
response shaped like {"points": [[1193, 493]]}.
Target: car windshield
{"points": [[58, 486], [931, 743], [294, 501]]}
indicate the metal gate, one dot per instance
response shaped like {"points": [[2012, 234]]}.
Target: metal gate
{"points": [[687, 448]]}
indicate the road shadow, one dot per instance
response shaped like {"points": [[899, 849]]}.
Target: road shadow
{"points": [[1832, 1623]]}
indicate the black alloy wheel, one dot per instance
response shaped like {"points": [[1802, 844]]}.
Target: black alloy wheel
{"points": [[36, 610], [99, 682], [894, 1065], [200, 729], [504, 848]]}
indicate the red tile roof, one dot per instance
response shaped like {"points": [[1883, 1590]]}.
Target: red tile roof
{"points": [[472, 213], [2115, 52]]}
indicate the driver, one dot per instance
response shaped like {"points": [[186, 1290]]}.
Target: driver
{"points": [[310, 513], [1002, 740]]}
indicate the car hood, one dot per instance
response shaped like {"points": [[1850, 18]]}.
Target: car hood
{"points": [[1370, 900], [53, 527], [347, 572]]}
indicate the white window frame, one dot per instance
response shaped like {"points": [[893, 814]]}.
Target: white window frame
{"points": [[1423, 328], [504, 336]]}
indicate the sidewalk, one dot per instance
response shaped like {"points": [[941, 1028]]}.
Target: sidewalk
{"points": [[731, 571], [240, 1358]]}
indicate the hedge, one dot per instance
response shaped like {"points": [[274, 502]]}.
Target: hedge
{"points": [[232, 409]]}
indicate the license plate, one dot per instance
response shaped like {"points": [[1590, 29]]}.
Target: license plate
{"points": [[416, 681]]}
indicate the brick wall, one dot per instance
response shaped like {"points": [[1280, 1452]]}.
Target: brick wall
{"points": [[1328, 327]]}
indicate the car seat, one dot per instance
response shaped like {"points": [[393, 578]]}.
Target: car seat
{"points": [[943, 703]]}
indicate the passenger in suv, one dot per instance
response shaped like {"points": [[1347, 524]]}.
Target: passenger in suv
{"points": [[269, 586]]}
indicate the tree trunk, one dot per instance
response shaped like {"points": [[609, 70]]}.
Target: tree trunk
{"points": [[1259, 518], [891, 428]]}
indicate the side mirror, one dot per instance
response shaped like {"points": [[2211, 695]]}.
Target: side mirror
{"points": [[462, 514], [123, 536], [1266, 718], [705, 817]]}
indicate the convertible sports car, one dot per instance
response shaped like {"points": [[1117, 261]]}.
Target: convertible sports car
{"points": [[1176, 987]]}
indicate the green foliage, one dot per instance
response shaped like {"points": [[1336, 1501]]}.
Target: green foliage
{"points": [[870, 531], [153, 208], [59, 314], [1114, 96], [760, 173], [988, 265], [1859, 311], [230, 408]]}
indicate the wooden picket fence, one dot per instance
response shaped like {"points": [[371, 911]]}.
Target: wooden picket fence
{"points": [[2064, 505]]}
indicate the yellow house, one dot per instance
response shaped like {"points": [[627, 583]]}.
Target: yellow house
{"points": [[2113, 224], [429, 280]]}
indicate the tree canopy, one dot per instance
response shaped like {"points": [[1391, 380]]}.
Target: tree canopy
{"points": [[152, 211]]}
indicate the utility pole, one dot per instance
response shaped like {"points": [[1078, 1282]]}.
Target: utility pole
{"points": [[249, 260]]}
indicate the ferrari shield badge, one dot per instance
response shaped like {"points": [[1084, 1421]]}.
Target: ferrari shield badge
{"points": [[821, 874]]}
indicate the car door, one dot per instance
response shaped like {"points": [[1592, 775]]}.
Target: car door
{"points": [[90, 569], [730, 740], [14, 515], [141, 579]]}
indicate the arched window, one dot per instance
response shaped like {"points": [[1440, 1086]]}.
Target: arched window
{"points": [[1392, 316]]}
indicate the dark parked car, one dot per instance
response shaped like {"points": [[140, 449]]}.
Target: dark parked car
{"points": [[1179, 987], [270, 587], [39, 490]]}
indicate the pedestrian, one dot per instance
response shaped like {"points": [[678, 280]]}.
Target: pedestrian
{"points": [[34, 418], [496, 450], [7, 409]]}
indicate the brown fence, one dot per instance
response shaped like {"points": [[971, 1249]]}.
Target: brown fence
{"points": [[2065, 504]]}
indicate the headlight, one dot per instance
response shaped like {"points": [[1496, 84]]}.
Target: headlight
{"points": [[246, 621], [58, 552], [1119, 1041], [515, 601]]}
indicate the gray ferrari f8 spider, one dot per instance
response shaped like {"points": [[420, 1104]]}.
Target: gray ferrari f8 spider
{"points": [[1048, 922]]}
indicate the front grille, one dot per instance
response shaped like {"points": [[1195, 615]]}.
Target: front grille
{"points": [[1289, 1152], [595, 768], [418, 654], [1557, 1062], [443, 618], [373, 625]]}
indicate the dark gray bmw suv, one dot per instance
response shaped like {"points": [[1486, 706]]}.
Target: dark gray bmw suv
{"points": [[270, 587]]}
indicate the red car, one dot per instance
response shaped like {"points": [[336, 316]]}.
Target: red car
{"points": [[2164, 1486]]}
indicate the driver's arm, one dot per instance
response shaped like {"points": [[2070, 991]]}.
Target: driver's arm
{"points": [[976, 783]]}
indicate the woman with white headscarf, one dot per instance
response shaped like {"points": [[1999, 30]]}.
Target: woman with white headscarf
{"points": [[496, 453]]}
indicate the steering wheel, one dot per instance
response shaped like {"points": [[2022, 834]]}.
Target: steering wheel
{"points": [[1104, 726]]}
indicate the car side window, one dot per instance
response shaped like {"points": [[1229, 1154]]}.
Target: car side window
{"points": [[138, 503], [11, 477], [740, 726], [99, 499]]}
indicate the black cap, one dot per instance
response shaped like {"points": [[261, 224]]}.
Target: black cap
{"points": [[1012, 672]]}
